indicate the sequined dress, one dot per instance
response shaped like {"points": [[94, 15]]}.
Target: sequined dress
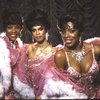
{"points": [[87, 80], [47, 82]]}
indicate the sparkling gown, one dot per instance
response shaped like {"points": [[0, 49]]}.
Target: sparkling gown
{"points": [[47, 82], [90, 80]]}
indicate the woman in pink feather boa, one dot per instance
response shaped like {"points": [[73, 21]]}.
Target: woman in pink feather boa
{"points": [[79, 58], [36, 67], [9, 44]]}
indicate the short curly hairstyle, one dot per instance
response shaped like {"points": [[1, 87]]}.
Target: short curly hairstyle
{"points": [[76, 17], [37, 17], [11, 17]]}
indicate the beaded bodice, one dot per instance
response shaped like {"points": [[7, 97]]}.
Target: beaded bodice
{"points": [[91, 74]]}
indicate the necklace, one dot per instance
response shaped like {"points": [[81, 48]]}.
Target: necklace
{"points": [[40, 51], [78, 55]]}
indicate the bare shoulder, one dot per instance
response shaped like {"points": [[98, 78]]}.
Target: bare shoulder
{"points": [[88, 47], [60, 58], [60, 54], [31, 46], [97, 49]]}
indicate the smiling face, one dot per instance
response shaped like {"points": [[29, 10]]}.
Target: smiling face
{"points": [[39, 33], [13, 31], [70, 35]]}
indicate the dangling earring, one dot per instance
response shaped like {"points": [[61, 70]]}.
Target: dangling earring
{"points": [[32, 38], [20, 35], [81, 37], [80, 40], [47, 35]]}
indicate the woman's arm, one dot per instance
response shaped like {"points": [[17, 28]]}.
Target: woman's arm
{"points": [[60, 59], [97, 52], [96, 42], [31, 51]]}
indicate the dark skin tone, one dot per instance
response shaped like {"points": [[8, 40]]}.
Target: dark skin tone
{"points": [[13, 31], [42, 45], [39, 34], [71, 41]]}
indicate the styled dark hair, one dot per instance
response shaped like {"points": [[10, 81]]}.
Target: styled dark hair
{"points": [[75, 17], [11, 17], [37, 17]]}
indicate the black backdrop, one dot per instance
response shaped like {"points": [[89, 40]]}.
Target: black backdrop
{"points": [[54, 8]]}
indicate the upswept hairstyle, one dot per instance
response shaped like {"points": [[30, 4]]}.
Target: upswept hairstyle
{"points": [[11, 17], [75, 17], [37, 17]]}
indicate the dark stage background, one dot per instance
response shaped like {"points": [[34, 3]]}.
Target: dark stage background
{"points": [[91, 13]]}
